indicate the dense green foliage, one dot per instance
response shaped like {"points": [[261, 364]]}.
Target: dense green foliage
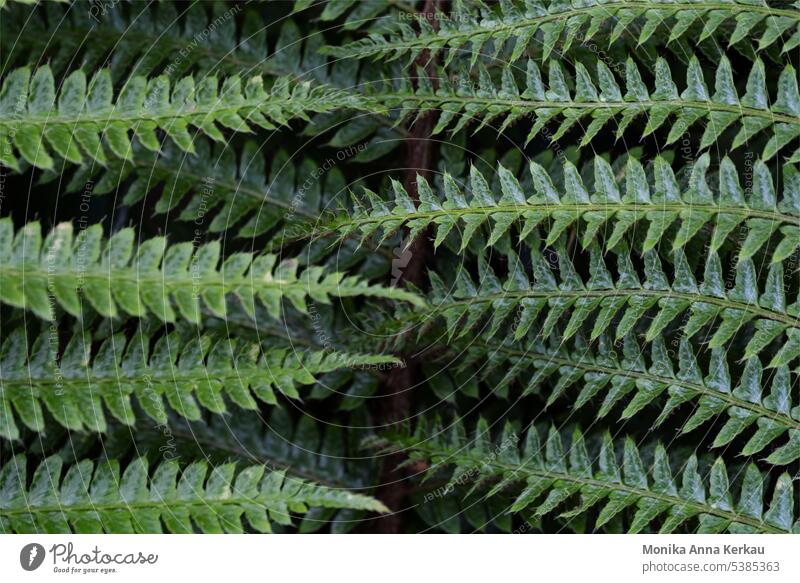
{"points": [[515, 266]]}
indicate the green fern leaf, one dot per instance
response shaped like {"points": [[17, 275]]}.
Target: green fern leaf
{"points": [[115, 276], [553, 479], [612, 205], [93, 498], [627, 299], [590, 109], [471, 30], [75, 123], [641, 378], [78, 386]]}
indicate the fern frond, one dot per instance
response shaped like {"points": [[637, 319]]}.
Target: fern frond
{"points": [[158, 38], [625, 299], [116, 276], [459, 509], [589, 109], [610, 204], [223, 190], [641, 377], [311, 451], [373, 16], [304, 448], [322, 453], [470, 29], [554, 478], [93, 498], [191, 374], [522, 314], [75, 123]]}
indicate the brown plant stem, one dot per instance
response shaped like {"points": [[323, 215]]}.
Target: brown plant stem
{"points": [[397, 388]]}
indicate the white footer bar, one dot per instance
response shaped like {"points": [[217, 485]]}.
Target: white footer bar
{"points": [[401, 558]]}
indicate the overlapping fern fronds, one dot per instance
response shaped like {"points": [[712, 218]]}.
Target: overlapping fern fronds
{"points": [[645, 382], [372, 16], [221, 190], [160, 37], [603, 232], [574, 482]]}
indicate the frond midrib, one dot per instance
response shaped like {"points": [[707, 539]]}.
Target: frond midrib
{"points": [[241, 375], [588, 293], [577, 208], [195, 113], [397, 100], [171, 282], [204, 502]]}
